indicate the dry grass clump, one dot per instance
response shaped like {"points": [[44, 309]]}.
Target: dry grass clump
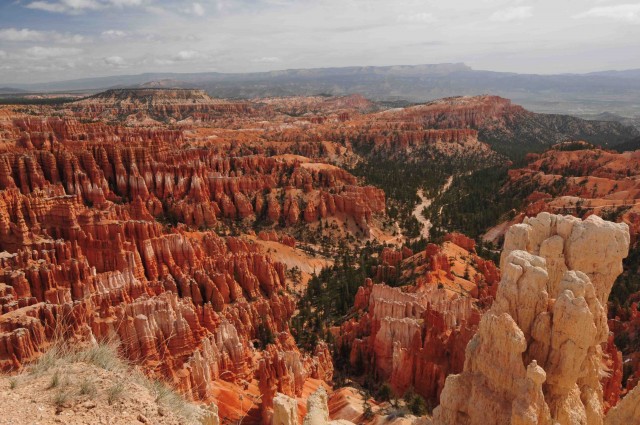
{"points": [[104, 355], [55, 380], [61, 398], [52, 357], [88, 388], [115, 392]]}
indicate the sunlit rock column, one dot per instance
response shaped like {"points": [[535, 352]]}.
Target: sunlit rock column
{"points": [[537, 355]]}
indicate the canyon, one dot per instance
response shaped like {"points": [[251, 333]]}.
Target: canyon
{"points": [[194, 233]]}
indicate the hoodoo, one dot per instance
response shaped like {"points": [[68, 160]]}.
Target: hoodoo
{"points": [[537, 355]]}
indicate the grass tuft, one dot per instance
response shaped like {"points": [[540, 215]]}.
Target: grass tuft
{"points": [[47, 360], [88, 387], [55, 380], [115, 392], [61, 398], [105, 356]]}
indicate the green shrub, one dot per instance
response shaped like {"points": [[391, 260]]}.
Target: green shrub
{"points": [[384, 393]]}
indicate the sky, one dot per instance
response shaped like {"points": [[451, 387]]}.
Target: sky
{"points": [[52, 40]]}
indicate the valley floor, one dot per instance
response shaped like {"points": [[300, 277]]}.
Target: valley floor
{"points": [[426, 203]]}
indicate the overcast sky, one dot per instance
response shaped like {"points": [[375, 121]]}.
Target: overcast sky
{"points": [[47, 40]]}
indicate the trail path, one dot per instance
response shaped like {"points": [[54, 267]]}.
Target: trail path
{"points": [[425, 203]]}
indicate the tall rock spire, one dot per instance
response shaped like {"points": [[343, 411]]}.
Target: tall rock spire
{"points": [[537, 356]]}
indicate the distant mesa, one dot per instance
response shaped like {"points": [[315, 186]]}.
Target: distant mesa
{"points": [[152, 106], [167, 83], [155, 94]]}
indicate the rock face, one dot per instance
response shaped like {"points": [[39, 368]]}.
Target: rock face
{"points": [[545, 329], [627, 411], [578, 178], [317, 409], [186, 308], [285, 410], [196, 187], [115, 216], [628, 327], [413, 340]]}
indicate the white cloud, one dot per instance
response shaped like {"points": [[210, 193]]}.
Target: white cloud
{"points": [[188, 55], [65, 6], [181, 56], [197, 9], [512, 14], [621, 12], [113, 34], [240, 35], [124, 3], [417, 18], [3, 54], [48, 7], [115, 61], [70, 38], [222, 5], [80, 6], [39, 52], [26, 34], [194, 9], [266, 59]]}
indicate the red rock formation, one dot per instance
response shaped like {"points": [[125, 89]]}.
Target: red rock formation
{"points": [[194, 187], [461, 240], [275, 237], [414, 336], [612, 384], [583, 181], [184, 307]]}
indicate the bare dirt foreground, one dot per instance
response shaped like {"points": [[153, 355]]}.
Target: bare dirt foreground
{"points": [[90, 389]]}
